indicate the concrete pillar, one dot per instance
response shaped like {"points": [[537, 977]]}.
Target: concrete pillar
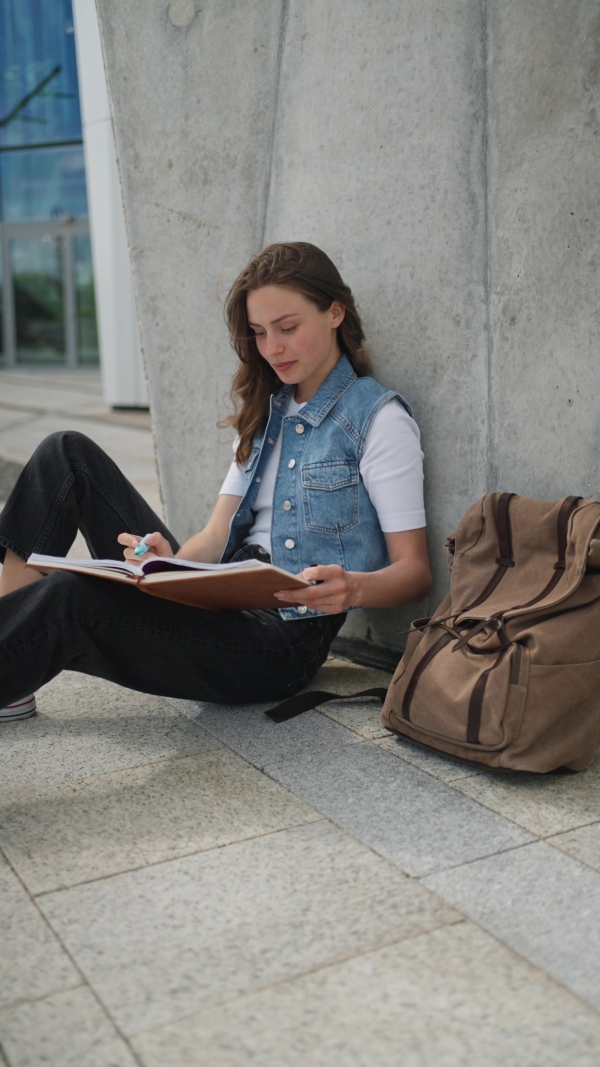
{"points": [[193, 89], [378, 159], [544, 246], [123, 378], [436, 152]]}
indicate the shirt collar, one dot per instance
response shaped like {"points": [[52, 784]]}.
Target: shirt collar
{"points": [[326, 396]]}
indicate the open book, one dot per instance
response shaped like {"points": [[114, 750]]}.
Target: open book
{"points": [[216, 586]]}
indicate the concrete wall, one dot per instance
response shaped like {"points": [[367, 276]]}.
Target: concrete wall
{"points": [[436, 151], [544, 246]]}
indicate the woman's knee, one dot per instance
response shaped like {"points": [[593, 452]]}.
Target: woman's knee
{"points": [[62, 589], [70, 443]]}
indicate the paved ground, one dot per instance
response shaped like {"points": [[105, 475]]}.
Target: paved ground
{"points": [[188, 885]]}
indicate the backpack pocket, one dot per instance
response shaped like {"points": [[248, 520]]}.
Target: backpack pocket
{"points": [[462, 698]]}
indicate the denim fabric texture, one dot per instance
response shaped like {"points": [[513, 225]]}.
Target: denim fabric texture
{"points": [[322, 512], [102, 628]]}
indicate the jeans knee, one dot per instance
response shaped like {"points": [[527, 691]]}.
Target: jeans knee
{"points": [[62, 588], [68, 441]]}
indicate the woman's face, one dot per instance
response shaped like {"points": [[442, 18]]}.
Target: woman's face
{"points": [[294, 336]]}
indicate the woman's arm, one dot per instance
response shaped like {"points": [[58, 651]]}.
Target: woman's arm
{"points": [[206, 546], [406, 580]]}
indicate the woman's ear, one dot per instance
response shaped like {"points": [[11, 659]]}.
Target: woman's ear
{"points": [[338, 312]]}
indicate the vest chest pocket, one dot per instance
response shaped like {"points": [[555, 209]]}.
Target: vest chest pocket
{"points": [[330, 494]]}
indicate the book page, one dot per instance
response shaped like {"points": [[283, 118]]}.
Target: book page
{"points": [[118, 566], [163, 563], [156, 564]]}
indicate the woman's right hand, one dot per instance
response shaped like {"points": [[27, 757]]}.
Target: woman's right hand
{"points": [[158, 546]]}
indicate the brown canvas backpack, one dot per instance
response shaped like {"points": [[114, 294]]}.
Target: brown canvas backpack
{"points": [[506, 673]]}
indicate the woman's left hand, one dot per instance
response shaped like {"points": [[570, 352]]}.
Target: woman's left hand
{"points": [[337, 590]]}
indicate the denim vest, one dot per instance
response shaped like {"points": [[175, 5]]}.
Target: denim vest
{"points": [[322, 512]]}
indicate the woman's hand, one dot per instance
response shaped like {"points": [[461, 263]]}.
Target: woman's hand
{"points": [[406, 580], [158, 546], [337, 590]]}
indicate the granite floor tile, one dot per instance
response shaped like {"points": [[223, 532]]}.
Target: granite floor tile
{"points": [[34, 394], [361, 716], [450, 998], [544, 804], [161, 942], [32, 961], [540, 902], [437, 764], [583, 844], [12, 417], [130, 448], [65, 1030], [247, 731], [407, 816], [58, 836], [85, 726]]}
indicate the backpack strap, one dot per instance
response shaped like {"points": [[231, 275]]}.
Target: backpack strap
{"points": [[562, 525], [504, 559], [441, 643], [307, 701], [476, 701]]}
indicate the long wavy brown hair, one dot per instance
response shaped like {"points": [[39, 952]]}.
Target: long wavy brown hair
{"points": [[307, 269]]}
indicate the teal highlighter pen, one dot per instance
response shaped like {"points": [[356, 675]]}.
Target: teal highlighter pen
{"points": [[142, 548]]}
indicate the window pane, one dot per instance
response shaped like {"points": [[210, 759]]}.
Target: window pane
{"points": [[36, 264], [39, 99], [43, 183], [85, 304]]}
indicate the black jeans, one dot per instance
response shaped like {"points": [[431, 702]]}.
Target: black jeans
{"points": [[80, 623]]}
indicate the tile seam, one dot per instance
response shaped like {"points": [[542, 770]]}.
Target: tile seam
{"points": [[497, 937], [259, 990], [537, 835], [104, 878], [83, 982]]}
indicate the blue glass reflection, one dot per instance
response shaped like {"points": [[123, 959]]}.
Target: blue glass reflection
{"points": [[43, 183], [39, 100]]}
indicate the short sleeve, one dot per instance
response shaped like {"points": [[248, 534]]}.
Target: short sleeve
{"points": [[392, 469], [234, 484]]}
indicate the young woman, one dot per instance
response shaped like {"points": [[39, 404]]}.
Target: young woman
{"points": [[327, 481]]}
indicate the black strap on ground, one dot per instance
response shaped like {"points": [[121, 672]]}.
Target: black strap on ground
{"points": [[307, 701]]}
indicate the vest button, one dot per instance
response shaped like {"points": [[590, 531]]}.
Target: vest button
{"points": [[258, 479], [299, 427], [302, 609], [289, 543], [270, 441], [287, 505], [292, 463]]}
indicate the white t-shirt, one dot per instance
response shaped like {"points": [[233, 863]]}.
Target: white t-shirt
{"points": [[391, 469]]}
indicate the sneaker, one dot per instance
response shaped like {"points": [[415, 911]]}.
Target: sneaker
{"points": [[21, 709]]}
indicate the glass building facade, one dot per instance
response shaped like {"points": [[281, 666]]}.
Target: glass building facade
{"points": [[47, 307]]}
